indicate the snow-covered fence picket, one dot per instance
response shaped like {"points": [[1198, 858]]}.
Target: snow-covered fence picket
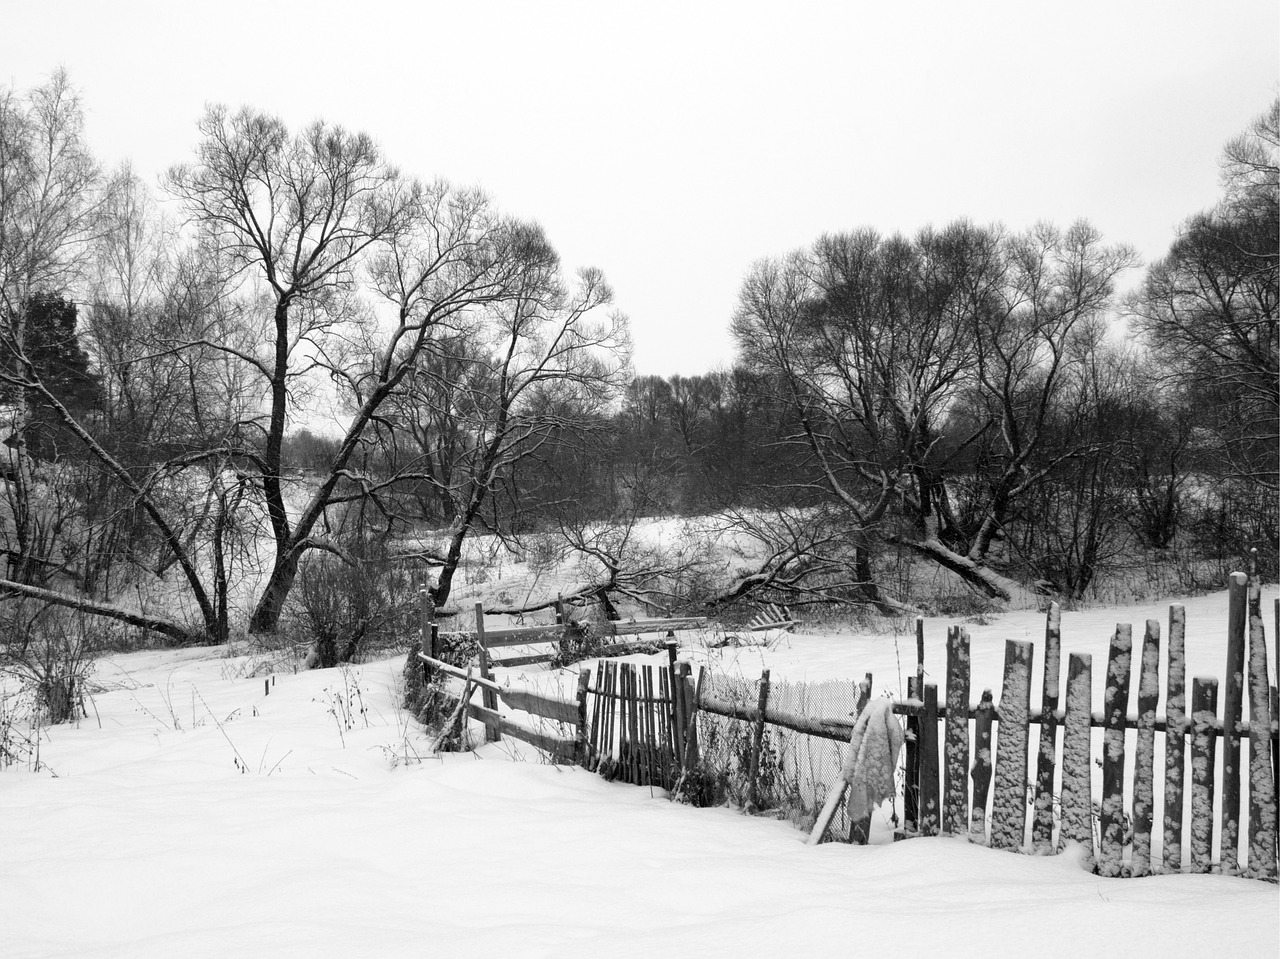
{"points": [[1126, 817]]}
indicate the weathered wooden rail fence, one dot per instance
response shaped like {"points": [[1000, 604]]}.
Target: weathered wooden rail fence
{"points": [[970, 767], [943, 803]]}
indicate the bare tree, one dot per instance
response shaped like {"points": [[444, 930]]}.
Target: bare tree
{"points": [[539, 358], [1211, 307]]}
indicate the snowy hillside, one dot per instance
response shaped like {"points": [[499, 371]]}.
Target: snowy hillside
{"points": [[218, 805]]}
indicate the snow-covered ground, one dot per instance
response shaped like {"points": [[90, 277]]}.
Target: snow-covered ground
{"points": [[197, 812]]}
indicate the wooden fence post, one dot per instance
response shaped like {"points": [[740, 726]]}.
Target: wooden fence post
{"points": [[1042, 825], [956, 752], [1175, 712], [1009, 805], [757, 741], [1115, 704], [426, 628], [1262, 792], [930, 806], [983, 717], [1077, 757], [1145, 753], [1232, 708], [581, 743], [677, 703], [1204, 740], [691, 695], [487, 696], [911, 784]]}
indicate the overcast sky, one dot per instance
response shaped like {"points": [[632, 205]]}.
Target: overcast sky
{"points": [[672, 145]]}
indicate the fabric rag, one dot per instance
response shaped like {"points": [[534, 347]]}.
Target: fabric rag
{"points": [[873, 758]]}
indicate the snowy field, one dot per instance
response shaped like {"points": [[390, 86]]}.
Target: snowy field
{"points": [[197, 813]]}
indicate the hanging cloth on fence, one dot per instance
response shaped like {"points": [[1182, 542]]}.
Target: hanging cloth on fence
{"points": [[873, 757]]}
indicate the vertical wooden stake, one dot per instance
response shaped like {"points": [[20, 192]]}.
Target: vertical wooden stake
{"points": [[1175, 711], [426, 632], [1115, 705], [1262, 791], [955, 801], [930, 806], [1009, 804], [1204, 741], [911, 787], [1145, 754], [487, 695], [983, 717], [757, 741], [1077, 757], [580, 738], [1042, 824], [677, 704], [1232, 709], [691, 696]]}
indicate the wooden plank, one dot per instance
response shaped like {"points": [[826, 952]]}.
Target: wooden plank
{"points": [[930, 803], [520, 635], [1175, 708], [1042, 822], [1077, 757], [638, 626], [1009, 803], [593, 757], [561, 750], [981, 774], [1261, 862], [1115, 704], [540, 704], [1232, 707], [1204, 708], [956, 751], [511, 662], [1145, 752], [911, 784], [836, 728], [757, 740]]}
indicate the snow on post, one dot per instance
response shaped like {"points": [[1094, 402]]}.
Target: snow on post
{"points": [[1262, 796], [1115, 705], [1175, 712], [1077, 758], [1009, 806], [1204, 742], [956, 750], [1042, 825], [981, 774], [1144, 757], [1232, 708]]}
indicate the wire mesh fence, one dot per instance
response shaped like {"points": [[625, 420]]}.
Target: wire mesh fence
{"points": [[795, 769]]}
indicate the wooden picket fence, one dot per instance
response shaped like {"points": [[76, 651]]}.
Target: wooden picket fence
{"points": [[970, 767], [938, 799]]}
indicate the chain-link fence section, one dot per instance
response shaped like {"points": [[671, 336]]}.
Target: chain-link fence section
{"points": [[795, 769]]}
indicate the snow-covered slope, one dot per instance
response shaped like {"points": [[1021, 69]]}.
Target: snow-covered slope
{"points": [[199, 811]]}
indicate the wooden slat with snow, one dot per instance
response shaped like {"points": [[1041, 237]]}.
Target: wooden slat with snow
{"points": [[1261, 863], [522, 698], [1204, 707], [955, 801], [1077, 758], [1114, 705], [1042, 823], [1009, 803], [1144, 755], [1232, 709]]}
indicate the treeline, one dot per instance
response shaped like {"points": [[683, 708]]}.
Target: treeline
{"points": [[959, 397]]}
